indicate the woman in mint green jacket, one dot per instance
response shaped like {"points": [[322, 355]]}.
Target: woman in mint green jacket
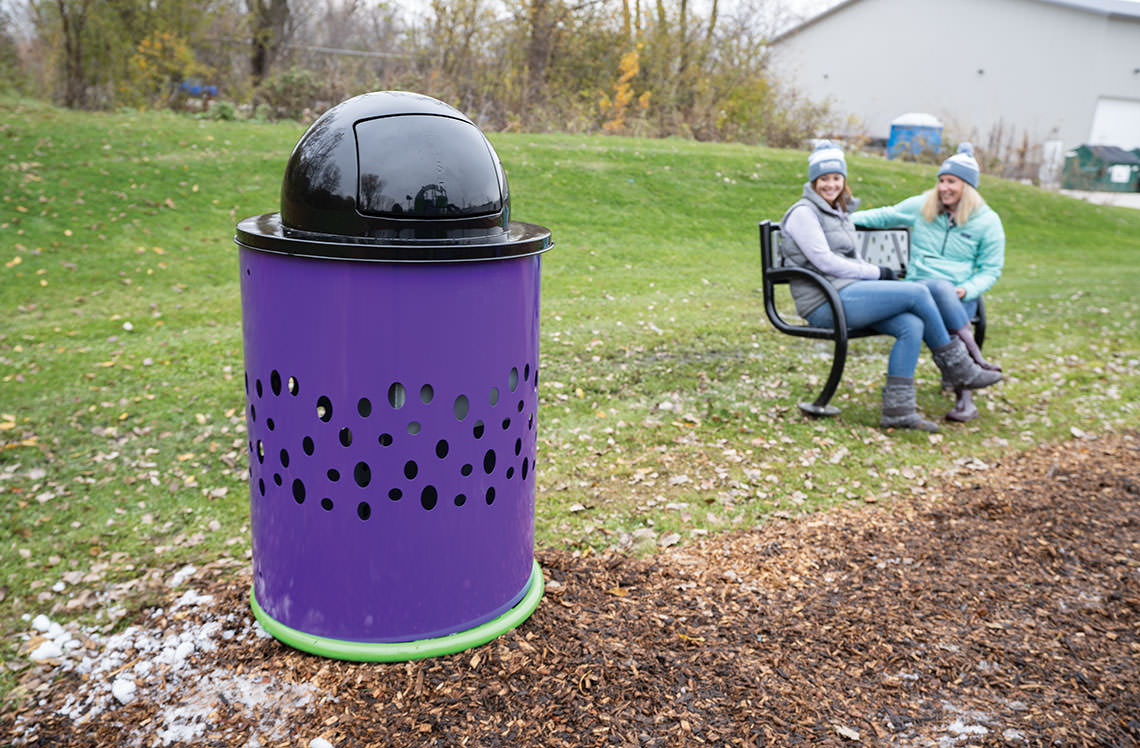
{"points": [[957, 250]]}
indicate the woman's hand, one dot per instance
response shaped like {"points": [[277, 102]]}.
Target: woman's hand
{"points": [[961, 292]]}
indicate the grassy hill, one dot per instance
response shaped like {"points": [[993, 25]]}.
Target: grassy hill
{"points": [[667, 403]]}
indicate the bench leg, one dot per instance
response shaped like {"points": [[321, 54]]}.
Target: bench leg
{"points": [[819, 408]]}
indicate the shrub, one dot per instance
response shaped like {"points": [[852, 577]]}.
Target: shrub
{"points": [[286, 95], [159, 63]]}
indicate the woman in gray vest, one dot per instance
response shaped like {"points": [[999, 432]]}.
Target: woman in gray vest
{"points": [[817, 233]]}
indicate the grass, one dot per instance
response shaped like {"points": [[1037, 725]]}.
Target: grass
{"points": [[667, 404]]}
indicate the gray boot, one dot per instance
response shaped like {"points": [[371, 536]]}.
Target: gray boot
{"points": [[966, 335], [900, 410], [959, 370]]}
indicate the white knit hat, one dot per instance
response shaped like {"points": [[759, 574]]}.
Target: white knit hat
{"points": [[962, 165], [827, 158]]}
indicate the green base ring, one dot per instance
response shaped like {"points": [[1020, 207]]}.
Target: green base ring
{"points": [[401, 651]]}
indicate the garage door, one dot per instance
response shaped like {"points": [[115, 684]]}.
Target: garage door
{"points": [[1116, 122]]}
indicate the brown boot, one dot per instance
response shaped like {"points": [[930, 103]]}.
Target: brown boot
{"points": [[964, 408], [966, 335]]}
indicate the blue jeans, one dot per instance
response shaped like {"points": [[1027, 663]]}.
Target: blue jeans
{"points": [[956, 313], [905, 311]]}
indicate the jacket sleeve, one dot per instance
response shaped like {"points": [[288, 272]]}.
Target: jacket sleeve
{"points": [[901, 214], [990, 259], [804, 229]]}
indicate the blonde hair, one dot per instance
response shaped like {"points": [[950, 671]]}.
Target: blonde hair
{"points": [[967, 204], [842, 199]]}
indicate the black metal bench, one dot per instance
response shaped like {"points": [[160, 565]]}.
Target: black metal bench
{"points": [[889, 247]]}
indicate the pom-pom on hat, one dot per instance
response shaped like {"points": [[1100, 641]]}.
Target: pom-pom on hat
{"points": [[962, 165], [827, 158]]}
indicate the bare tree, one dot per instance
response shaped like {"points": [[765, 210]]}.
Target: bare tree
{"points": [[68, 19], [269, 24]]}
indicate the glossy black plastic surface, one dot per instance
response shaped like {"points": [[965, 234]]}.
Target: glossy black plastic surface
{"points": [[394, 176]]}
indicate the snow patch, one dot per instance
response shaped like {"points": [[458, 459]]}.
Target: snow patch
{"points": [[159, 662]]}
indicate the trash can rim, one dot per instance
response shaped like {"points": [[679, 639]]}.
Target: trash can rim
{"points": [[266, 233]]}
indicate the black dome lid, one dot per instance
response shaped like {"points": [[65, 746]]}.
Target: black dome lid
{"points": [[394, 176]]}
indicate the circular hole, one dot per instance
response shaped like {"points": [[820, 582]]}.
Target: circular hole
{"points": [[513, 378], [478, 430], [257, 386], [248, 271], [524, 468], [277, 478], [385, 440], [395, 494], [284, 458], [466, 469], [269, 424], [413, 427], [461, 407], [308, 445], [346, 436], [530, 423], [397, 395], [428, 497], [333, 474], [252, 412], [490, 496], [324, 408], [520, 406], [363, 510], [506, 424], [489, 462], [245, 376], [494, 398], [510, 473], [327, 504], [298, 491], [260, 451], [362, 474], [441, 448], [426, 394], [460, 499], [411, 469], [364, 407], [275, 382], [526, 373], [261, 486], [293, 386], [518, 446]]}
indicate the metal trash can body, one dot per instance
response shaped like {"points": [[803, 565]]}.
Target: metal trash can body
{"points": [[392, 391]]}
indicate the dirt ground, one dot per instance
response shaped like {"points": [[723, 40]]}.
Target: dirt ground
{"points": [[1001, 609]]}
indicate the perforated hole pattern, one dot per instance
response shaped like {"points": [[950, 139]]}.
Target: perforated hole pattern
{"points": [[385, 454]]}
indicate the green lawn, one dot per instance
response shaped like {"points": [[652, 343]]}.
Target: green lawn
{"points": [[668, 402]]}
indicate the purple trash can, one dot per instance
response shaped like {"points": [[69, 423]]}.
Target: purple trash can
{"points": [[390, 319]]}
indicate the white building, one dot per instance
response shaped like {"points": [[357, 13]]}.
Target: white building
{"points": [[1055, 73]]}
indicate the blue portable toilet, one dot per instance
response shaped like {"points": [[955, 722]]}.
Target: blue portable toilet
{"points": [[914, 133]]}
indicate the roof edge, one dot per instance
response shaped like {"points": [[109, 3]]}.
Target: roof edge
{"points": [[1110, 8]]}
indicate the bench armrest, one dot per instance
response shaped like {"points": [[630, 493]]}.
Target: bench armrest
{"points": [[786, 275]]}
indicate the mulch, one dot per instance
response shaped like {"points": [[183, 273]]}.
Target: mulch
{"points": [[1000, 608]]}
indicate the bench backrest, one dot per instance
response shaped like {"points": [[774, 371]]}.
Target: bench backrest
{"points": [[890, 247]]}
